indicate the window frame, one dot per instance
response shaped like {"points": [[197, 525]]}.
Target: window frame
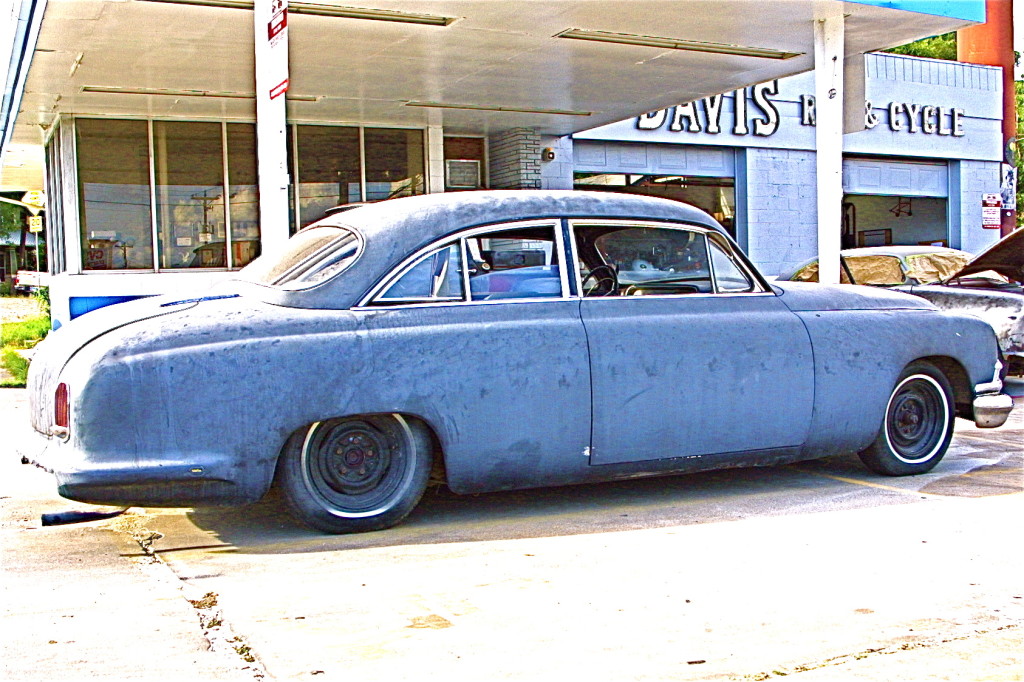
{"points": [[761, 287], [371, 301]]}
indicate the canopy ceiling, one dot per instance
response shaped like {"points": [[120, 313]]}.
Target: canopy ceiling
{"points": [[195, 61]]}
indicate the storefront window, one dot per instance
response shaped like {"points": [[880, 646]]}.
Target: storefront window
{"points": [[394, 163], [243, 193], [55, 200], [328, 169], [189, 194], [113, 177], [716, 196]]}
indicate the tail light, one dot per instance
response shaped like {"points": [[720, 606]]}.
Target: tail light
{"points": [[61, 410]]}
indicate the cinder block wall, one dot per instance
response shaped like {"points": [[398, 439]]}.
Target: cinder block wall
{"points": [[968, 181], [557, 173], [782, 228], [515, 161]]}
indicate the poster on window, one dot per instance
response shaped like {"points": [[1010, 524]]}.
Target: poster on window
{"points": [[1009, 187]]}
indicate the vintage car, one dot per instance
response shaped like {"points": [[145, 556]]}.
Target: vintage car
{"points": [[497, 340], [990, 286]]}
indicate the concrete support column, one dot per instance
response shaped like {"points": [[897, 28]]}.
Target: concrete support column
{"points": [[991, 44], [271, 126], [828, 91], [435, 159], [514, 159]]}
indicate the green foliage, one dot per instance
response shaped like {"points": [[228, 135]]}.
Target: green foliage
{"points": [[12, 218], [16, 365], [937, 47], [15, 336], [1019, 149], [6, 289], [42, 295], [26, 333]]}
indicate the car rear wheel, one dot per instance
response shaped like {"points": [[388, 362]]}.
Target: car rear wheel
{"points": [[357, 474], [918, 424]]}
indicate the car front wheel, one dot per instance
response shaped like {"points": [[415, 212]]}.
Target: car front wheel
{"points": [[918, 424], [357, 474]]}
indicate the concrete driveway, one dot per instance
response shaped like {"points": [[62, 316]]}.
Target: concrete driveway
{"points": [[817, 571]]}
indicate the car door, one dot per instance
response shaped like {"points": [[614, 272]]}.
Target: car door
{"points": [[690, 353], [495, 355]]}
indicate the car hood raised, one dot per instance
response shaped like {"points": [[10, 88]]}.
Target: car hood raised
{"points": [[1005, 257]]}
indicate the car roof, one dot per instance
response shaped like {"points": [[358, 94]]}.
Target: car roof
{"points": [[394, 229]]}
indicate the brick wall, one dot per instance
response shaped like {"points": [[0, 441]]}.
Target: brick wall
{"points": [[515, 161]]}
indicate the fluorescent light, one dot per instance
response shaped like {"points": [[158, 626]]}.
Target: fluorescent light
{"points": [[111, 90], [674, 44], [483, 107], [329, 11]]}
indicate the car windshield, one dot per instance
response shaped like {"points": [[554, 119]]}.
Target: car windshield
{"points": [[311, 256], [886, 270], [930, 268]]}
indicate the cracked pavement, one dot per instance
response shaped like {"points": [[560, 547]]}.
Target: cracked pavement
{"points": [[813, 572]]}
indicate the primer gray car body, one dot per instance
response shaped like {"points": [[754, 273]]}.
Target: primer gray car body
{"points": [[189, 400], [990, 286]]}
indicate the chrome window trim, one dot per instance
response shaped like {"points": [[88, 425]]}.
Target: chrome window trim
{"points": [[763, 289], [729, 253], [369, 301], [391, 303]]}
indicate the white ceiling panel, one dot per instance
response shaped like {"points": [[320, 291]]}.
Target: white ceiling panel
{"points": [[496, 54]]}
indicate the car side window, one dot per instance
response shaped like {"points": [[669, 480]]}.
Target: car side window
{"points": [[630, 260], [435, 277], [729, 275], [514, 263]]}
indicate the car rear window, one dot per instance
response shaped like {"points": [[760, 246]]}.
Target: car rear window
{"points": [[311, 256]]}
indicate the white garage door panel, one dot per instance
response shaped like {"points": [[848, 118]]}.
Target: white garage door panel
{"points": [[895, 178]]}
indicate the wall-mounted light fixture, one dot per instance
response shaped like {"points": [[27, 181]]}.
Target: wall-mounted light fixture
{"points": [[674, 44], [329, 11]]}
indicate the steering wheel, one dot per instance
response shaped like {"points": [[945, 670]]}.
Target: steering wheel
{"points": [[604, 280]]}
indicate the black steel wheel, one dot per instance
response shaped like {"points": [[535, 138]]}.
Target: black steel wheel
{"points": [[357, 474], [918, 424]]}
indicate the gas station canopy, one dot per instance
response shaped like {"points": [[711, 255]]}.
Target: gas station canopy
{"points": [[472, 66]]}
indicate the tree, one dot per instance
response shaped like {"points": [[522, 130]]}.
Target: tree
{"points": [[937, 47], [12, 217]]}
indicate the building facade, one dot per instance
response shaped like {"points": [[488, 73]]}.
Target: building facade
{"points": [[917, 173]]}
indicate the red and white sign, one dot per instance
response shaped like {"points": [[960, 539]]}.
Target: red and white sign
{"points": [[278, 22], [991, 211], [272, 53]]}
